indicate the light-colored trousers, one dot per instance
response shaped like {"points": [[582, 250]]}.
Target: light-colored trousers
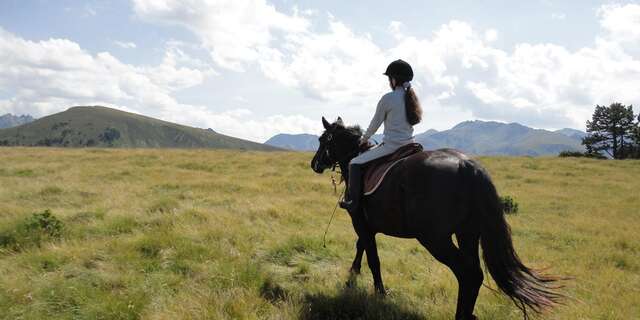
{"points": [[376, 152]]}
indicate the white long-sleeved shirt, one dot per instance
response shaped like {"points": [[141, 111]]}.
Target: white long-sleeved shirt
{"points": [[391, 112]]}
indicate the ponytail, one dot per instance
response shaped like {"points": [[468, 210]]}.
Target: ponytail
{"points": [[412, 106]]}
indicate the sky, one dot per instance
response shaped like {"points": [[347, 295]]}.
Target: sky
{"points": [[256, 68]]}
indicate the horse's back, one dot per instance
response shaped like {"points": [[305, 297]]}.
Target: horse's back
{"points": [[428, 188]]}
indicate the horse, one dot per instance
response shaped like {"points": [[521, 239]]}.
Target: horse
{"points": [[431, 196]]}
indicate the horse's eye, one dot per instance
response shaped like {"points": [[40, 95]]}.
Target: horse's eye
{"points": [[329, 137]]}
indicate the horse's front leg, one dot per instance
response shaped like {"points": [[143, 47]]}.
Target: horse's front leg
{"points": [[357, 261], [367, 240]]}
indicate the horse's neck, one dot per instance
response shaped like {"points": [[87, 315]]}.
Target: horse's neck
{"points": [[344, 165], [344, 170]]}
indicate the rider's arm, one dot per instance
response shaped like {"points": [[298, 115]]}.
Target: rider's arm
{"points": [[378, 118]]}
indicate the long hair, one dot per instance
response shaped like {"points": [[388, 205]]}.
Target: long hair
{"points": [[412, 107]]}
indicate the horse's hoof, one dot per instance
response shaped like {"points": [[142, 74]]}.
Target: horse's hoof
{"points": [[381, 292], [354, 271], [351, 283]]}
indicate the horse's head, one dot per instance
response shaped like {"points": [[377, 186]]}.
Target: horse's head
{"points": [[337, 144]]}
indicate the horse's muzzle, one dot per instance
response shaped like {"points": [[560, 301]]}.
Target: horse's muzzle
{"points": [[316, 167]]}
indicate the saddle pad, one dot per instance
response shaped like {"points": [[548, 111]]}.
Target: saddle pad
{"points": [[377, 169]]}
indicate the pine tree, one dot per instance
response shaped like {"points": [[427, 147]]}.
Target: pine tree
{"points": [[636, 139], [611, 130]]}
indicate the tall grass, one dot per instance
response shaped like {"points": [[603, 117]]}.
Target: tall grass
{"points": [[201, 234]]}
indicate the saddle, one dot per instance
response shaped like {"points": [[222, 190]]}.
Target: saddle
{"points": [[376, 170]]}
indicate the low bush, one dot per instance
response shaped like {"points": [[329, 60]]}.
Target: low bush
{"points": [[578, 154], [509, 205], [32, 231]]}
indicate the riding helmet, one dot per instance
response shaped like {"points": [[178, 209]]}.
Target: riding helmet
{"points": [[400, 69]]}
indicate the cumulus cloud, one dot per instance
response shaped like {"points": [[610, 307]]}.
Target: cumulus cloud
{"points": [[49, 76], [125, 45], [459, 68], [543, 85], [235, 31]]}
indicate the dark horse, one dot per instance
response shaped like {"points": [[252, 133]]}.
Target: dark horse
{"points": [[431, 196]]}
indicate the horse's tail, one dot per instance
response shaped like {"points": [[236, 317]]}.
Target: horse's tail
{"points": [[526, 287]]}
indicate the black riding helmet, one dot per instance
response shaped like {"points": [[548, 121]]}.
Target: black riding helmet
{"points": [[400, 69]]}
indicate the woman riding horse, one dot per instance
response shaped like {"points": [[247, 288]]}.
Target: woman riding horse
{"points": [[430, 196], [399, 110]]}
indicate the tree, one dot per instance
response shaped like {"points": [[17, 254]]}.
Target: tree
{"points": [[636, 132], [611, 130], [635, 148]]}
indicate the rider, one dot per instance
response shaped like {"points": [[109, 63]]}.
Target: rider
{"points": [[399, 110]]}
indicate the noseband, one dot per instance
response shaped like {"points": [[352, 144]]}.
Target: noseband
{"points": [[336, 162]]}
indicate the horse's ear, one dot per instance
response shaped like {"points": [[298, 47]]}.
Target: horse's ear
{"points": [[339, 121], [325, 123]]}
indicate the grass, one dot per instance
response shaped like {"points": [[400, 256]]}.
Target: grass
{"points": [[201, 234]]}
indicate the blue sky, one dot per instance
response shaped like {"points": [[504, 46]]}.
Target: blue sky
{"points": [[252, 68]]}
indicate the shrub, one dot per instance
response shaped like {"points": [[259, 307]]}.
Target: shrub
{"points": [[109, 136], [509, 205], [578, 154], [32, 231], [570, 153]]}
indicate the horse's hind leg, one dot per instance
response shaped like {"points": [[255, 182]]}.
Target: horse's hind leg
{"points": [[374, 262], [446, 252], [468, 243]]}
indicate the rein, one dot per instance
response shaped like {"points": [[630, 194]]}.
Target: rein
{"points": [[335, 184]]}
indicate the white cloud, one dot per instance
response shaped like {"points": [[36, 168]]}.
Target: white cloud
{"points": [[125, 45], [459, 69], [543, 85], [491, 35], [558, 16], [336, 65], [235, 31], [621, 25], [89, 11], [49, 76], [243, 123]]}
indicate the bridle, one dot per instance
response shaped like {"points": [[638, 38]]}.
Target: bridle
{"points": [[335, 162]]}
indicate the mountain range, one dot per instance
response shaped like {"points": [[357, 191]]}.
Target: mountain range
{"points": [[8, 120], [473, 137], [96, 126]]}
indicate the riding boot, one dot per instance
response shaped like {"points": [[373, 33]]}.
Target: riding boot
{"points": [[354, 190]]}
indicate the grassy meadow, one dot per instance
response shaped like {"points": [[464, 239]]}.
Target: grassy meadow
{"points": [[210, 234]]}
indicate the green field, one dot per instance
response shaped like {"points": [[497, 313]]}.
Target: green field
{"points": [[202, 234]]}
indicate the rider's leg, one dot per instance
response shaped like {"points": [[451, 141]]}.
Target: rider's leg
{"points": [[354, 189], [354, 186]]}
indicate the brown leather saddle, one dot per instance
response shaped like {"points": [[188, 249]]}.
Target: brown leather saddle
{"points": [[377, 169]]}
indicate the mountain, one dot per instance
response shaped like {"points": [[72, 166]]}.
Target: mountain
{"points": [[8, 120], [96, 126], [492, 138], [425, 134], [572, 133], [495, 138], [299, 142]]}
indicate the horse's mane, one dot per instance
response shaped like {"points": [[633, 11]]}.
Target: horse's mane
{"points": [[356, 133], [354, 130]]}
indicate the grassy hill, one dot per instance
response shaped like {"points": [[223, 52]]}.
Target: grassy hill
{"points": [[106, 127], [224, 234]]}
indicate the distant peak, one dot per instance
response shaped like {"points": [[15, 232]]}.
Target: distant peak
{"points": [[87, 107]]}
